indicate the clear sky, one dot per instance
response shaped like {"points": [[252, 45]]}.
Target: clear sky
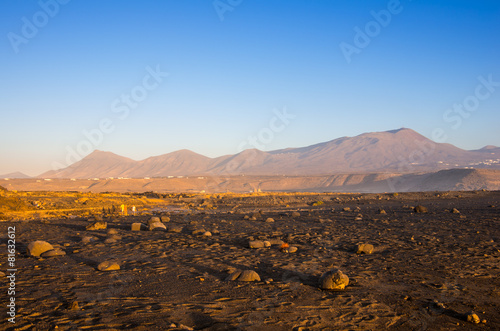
{"points": [[145, 78]]}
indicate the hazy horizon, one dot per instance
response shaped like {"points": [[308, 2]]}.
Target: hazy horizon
{"points": [[144, 79]]}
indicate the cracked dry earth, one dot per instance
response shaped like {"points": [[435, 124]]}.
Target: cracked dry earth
{"points": [[428, 270]]}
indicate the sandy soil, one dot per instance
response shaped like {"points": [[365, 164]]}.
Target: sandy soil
{"points": [[427, 271]]}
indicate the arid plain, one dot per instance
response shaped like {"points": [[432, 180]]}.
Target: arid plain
{"points": [[430, 268]]}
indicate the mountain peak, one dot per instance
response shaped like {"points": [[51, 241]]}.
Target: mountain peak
{"points": [[488, 147], [400, 130], [16, 175]]}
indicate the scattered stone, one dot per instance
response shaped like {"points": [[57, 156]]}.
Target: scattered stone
{"points": [[455, 211], [157, 226], [74, 306], [256, 244], [276, 241], [346, 209], [88, 239], [198, 232], [473, 318], [207, 234], [267, 243], [420, 209], [269, 220], [364, 249], [246, 217], [382, 212], [333, 280], [110, 241], [97, 226], [112, 232], [292, 249], [36, 248], [284, 247], [137, 226], [108, 266], [295, 214], [53, 253], [154, 219], [175, 228], [165, 219]]}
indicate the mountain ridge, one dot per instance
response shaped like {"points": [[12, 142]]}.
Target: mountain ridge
{"points": [[402, 150]]}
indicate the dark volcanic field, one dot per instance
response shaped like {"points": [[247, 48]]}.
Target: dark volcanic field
{"points": [[428, 270]]}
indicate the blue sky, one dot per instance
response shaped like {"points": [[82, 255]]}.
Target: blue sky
{"points": [[68, 68]]}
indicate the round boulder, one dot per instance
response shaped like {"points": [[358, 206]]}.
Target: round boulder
{"points": [[420, 209], [158, 226], [154, 219], [36, 248], [364, 249], [256, 244], [333, 280], [249, 276], [244, 276]]}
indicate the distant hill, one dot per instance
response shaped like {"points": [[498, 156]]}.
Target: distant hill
{"points": [[15, 175], [442, 180], [401, 151]]}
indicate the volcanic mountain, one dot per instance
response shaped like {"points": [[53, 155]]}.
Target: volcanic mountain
{"points": [[402, 151], [16, 174]]}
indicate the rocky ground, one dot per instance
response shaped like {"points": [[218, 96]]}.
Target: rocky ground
{"points": [[430, 267]]}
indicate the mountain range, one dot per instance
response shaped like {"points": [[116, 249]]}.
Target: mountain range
{"points": [[401, 151]]}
